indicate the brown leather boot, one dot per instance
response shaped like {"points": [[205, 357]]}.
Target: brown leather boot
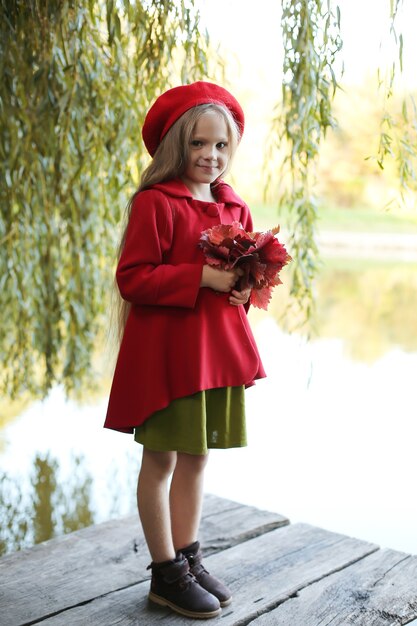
{"points": [[173, 585], [194, 557]]}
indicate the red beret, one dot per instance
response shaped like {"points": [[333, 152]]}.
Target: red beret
{"points": [[169, 107]]}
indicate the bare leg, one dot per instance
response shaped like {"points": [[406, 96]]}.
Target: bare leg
{"points": [[153, 503], [186, 497]]}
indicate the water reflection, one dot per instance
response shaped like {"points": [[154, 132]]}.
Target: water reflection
{"points": [[14, 516], [48, 508], [371, 306], [44, 490]]}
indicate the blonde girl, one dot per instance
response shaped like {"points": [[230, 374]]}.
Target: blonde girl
{"points": [[187, 351]]}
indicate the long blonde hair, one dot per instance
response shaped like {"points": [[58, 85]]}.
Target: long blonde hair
{"points": [[169, 161]]}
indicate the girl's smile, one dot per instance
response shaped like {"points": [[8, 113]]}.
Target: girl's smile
{"points": [[208, 155], [207, 168]]}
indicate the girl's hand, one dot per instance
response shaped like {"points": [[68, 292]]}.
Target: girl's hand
{"points": [[239, 297], [219, 280]]}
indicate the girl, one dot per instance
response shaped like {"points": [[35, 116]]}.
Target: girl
{"points": [[187, 351]]}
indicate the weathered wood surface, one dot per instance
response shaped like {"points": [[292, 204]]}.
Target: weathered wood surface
{"points": [[380, 590], [100, 559], [261, 573], [280, 574]]}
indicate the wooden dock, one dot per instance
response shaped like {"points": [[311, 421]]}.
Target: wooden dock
{"points": [[281, 574]]}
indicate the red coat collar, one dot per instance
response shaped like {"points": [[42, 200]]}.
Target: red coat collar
{"points": [[177, 189]]}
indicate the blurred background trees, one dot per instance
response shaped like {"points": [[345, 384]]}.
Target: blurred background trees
{"points": [[77, 79]]}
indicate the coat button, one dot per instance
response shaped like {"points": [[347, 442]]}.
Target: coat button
{"points": [[212, 211]]}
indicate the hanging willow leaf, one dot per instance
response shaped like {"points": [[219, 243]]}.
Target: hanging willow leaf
{"points": [[311, 38], [77, 79], [398, 128]]}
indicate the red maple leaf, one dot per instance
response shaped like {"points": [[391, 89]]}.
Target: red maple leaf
{"points": [[259, 255]]}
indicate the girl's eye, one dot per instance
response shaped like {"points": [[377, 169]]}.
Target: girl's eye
{"points": [[221, 144], [196, 143]]}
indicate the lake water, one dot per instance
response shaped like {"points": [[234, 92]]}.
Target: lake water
{"points": [[332, 430]]}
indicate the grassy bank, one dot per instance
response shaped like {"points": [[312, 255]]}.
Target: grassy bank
{"points": [[341, 218]]}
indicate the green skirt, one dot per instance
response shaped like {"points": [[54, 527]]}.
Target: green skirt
{"points": [[214, 418]]}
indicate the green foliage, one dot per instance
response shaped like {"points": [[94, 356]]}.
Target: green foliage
{"points": [[398, 127], [77, 79], [311, 40]]}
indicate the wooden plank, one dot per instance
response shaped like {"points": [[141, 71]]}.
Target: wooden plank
{"points": [[261, 573], [379, 590], [78, 567], [226, 523]]}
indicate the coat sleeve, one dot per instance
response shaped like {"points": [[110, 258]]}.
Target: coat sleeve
{"points": [[142, 275]]}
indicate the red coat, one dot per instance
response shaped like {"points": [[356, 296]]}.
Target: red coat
{"points": [[179, 338]]}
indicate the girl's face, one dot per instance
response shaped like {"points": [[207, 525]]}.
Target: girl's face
{"points": [[208, 152]]}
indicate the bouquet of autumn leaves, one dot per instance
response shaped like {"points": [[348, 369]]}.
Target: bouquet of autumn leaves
{"points": [[259, 255]]}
